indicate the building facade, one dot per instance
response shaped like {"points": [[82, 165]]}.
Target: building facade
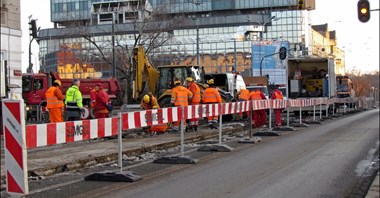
{"points": [[217, 34], [10, 51]]}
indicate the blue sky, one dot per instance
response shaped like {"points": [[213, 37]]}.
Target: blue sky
{"points": [[360, 41]]}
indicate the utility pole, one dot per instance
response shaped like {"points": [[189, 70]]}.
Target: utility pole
{"points": [[113, 46]]}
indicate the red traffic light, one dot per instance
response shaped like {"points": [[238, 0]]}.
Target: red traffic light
{"points": [[363, 11]]}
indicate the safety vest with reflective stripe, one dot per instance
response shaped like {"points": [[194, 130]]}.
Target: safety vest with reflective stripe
{"points": [[194, 88], [244, 94], [211, 95], [278, 95], [73, 98], [181, 96], [51, 99], [255, 95]]}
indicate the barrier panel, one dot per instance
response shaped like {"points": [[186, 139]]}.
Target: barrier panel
{"points": [[64, 132], [201, 111], [15, 147]]}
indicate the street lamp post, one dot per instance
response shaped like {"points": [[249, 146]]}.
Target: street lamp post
{"points": [[113, 46]]}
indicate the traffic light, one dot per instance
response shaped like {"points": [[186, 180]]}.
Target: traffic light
{"points": [[363, 11], [300, 5], [33, 28], [282, 53]]}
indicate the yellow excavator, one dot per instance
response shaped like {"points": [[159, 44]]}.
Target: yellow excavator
{"points": [[159, 81]]}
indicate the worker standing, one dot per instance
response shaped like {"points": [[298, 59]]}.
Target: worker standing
{"points": [[54, 102], [73, 102], [243, 96], [259, 116], [195, 100], [180, 98], [277, 95], [211, 95], [102, 102]]}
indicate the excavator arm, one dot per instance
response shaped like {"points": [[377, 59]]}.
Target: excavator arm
{"points": [[145, 74]]}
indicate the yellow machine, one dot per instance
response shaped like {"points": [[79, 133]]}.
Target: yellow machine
{"points": [[159, 81]]}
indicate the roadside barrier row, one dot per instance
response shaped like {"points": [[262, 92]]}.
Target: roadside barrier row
{"points": [[18, 137]]}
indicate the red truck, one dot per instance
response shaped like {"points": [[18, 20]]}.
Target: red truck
{"points": [[34, 87]]}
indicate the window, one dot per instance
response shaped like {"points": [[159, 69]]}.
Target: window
{"points": [[83, 5], [70, 6]]}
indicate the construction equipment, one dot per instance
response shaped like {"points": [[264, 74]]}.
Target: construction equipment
{"points": [[159, 81]]}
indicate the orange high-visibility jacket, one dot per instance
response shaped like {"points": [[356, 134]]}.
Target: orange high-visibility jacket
{"points": [[255, 95], [244, 94], [181, 96], [153, 102], [93, 97], [54, 98], [194, 88], [211, 95], [277, 94]]}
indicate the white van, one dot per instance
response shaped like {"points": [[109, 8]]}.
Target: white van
{"points": [[228, 82]]}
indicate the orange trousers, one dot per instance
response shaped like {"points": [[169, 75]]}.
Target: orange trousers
{"points": [[55, 115], [159, 128]]}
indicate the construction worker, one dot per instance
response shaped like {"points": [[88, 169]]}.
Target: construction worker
{"points": [[73, 102], [277, 95], [148, 102], [196, 99], [243, 96], [180, 97], [158, 129], [54, 102], [211, 95], [259, 116], [102, 102]]}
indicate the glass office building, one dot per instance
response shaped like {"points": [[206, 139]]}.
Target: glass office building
{"points": [[217, 34]]}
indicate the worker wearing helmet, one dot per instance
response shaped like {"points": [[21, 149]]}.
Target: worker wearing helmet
{"points": [[159, 128], [195, 100], [243, 96], [180, 97], [211, 95], [148, 101], [54, 102], [259, 116]]}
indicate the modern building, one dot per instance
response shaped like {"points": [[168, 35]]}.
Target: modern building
{"points": [[217, 34], [10, 51]]}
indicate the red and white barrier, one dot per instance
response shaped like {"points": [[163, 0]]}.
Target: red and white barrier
{"points": [[65, 132], [278, 104], [235, 107], [138, 119], [15, 147], [260, 104]]}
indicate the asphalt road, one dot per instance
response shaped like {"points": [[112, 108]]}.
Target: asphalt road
{"points": [[327, 160]]}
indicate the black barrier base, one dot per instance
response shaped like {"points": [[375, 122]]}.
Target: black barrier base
{"points": [[284, 128], [252, 140], [215, 148], [128, 176], [313, 122], [266, 133], [300, 125], [175, 160]]}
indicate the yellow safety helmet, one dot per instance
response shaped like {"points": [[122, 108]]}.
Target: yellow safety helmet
{"points": [[58, 82], [210, 82], [155, 107], [177, 82], [189, 79], [146, 99]]}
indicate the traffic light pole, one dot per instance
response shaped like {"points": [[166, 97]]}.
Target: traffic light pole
{"points": [[261, 62], [30, 68]]}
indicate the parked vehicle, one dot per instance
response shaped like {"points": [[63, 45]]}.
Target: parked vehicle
{"points": [[257, 82], [228, 83], [311, 77], [34, 87]]}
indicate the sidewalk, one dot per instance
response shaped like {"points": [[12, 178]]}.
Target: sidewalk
{"points": [[374, 190], [46, 161]]}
